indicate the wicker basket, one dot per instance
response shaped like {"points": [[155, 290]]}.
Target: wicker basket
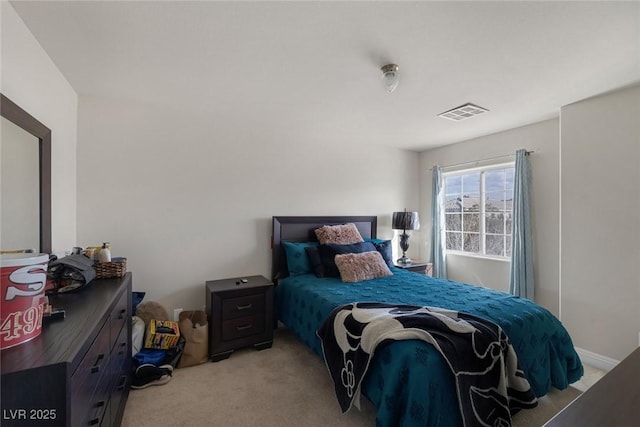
{"points": [[115, 268]]}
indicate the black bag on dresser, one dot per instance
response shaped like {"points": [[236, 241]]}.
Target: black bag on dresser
{"points": [[70, 273]]}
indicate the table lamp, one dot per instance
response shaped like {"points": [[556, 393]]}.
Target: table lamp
{"points": [[405, 221]]}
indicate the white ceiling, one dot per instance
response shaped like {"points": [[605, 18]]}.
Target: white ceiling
{"points": [[311, 69]]}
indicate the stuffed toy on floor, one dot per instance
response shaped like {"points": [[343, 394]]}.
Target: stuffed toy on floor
{"points": [[151, 310]]}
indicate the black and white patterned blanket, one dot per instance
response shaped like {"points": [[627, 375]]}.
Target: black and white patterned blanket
{"points": [[489, 383]]}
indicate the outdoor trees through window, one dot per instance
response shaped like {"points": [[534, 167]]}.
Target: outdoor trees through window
{"points": [[478, 210]]}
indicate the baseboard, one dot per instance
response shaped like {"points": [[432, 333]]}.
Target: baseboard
{"points": [[596, 360], [579, 386]]}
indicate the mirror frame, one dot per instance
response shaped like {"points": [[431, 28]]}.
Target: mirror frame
{"points": [[12, 112]]}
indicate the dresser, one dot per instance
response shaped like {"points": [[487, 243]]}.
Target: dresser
{"points": [[240, 313], [612, 401], [77, 372]]}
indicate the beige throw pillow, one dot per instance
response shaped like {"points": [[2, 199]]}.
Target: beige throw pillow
{"points": [[343, 234], [363, 266]]}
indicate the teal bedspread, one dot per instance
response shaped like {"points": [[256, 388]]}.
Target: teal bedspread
{"points": [[409, 382]]}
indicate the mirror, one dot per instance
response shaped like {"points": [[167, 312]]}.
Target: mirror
{"points": [[25, 156], [20, 187]]}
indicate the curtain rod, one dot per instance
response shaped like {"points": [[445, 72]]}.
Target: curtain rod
{"points": [[528, 152]]}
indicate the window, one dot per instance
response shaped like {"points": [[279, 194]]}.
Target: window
{"points": [[478, 210]]}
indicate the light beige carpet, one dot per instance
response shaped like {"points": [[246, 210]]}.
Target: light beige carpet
{"points": [[287, 385]]}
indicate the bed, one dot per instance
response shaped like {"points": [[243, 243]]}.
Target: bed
{"points": [[409, 382]]}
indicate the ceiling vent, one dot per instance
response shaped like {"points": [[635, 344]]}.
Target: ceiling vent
{"points": [[463, 112]]}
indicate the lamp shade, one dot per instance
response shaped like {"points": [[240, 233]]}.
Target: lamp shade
{"points": [[405, 221]]}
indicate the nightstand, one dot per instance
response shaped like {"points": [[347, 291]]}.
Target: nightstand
{"points": [[421, 267], [240, 312]]}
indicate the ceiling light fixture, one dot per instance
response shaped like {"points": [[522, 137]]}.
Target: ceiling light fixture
{"points": [[390, 77]]}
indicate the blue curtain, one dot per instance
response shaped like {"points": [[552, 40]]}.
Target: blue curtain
{"points": [[521, 272], [438, 255]]}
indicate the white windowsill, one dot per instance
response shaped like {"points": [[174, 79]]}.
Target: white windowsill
{"points": [[480, 256]]}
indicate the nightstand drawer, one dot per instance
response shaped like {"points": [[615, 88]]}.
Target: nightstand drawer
{"points": [[233, 308], [243, 327]]}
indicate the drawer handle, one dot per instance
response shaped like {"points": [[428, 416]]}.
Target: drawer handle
{"points": [[243, 307], [96, 366], [121, 314], [123, 347], [244, 327], [123, 383], [96, 420]]}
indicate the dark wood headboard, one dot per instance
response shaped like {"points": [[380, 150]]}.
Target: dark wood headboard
{"points": [[300, 229]]}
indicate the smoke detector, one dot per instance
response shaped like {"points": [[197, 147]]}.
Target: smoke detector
{"points": [[463, 112]]}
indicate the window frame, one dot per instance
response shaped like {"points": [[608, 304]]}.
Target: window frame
{"points": [[482, 212]]}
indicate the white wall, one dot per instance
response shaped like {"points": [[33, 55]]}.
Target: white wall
{"points": [[188, 198], [541, 137], [31, 80], [600, 279]]}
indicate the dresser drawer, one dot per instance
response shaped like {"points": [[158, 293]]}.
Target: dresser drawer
{"points": [[119, 371], [118, 395], [121, 353], [233, 308], [98, 408], [243, 327], [86, 378], [119, 315]]}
